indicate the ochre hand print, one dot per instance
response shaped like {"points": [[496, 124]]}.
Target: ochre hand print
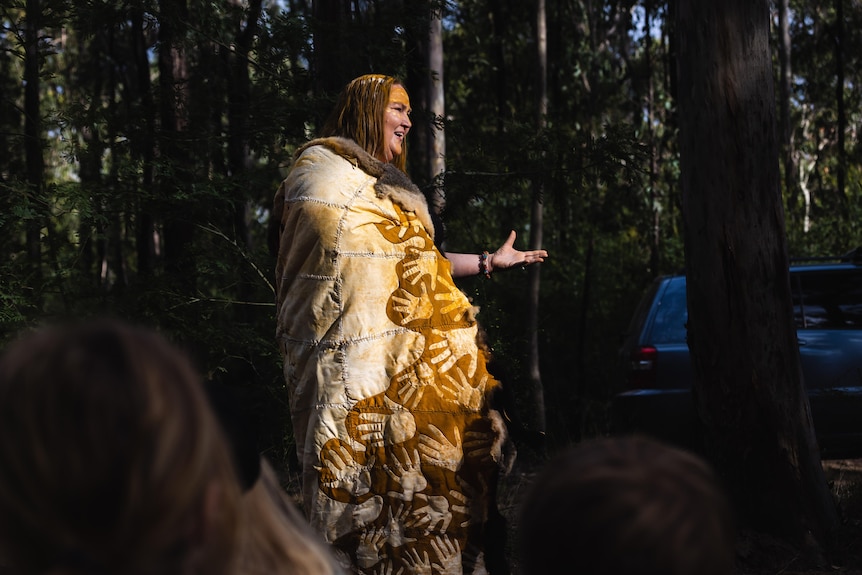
{"points": [[424, 443]]}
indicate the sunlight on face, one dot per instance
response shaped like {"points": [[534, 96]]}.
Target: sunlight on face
{"points": [[396, 122]]}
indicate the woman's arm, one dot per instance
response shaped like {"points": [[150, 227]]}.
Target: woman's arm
{"points": [[505, 257]]}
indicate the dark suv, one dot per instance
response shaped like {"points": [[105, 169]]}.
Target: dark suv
{"points": [[827, 304]]}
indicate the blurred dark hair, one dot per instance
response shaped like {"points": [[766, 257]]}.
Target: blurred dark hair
{"points": [[626, 506], [108, 449]]}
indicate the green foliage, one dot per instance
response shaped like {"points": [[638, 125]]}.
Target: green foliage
{"points": [[602, 200], [591, 217], [166, 225], [821, 217]]}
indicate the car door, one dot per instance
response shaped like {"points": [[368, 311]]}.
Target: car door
{"points": [[668, 333], [828, 314]]}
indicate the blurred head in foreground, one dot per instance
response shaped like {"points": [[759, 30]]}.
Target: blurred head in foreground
{"points": [[112, 461], [626, 506]]}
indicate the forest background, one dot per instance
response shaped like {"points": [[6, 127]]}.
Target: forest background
{"points": [[143, 140]]}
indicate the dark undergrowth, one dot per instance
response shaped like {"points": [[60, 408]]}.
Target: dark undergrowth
{"points": [[757, 554]]}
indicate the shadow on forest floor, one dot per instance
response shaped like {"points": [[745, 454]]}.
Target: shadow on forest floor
{"points": [[756, 554]]}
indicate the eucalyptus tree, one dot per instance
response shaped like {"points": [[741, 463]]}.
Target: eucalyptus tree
{"points": [[425, 83], [534, 374], [33, 136], [785, 84], [824, 114]]}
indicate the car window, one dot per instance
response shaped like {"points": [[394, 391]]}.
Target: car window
{"points": [[636, 324], [827, 299], [671, 314]]}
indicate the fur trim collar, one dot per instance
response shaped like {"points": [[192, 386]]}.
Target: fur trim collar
{"points": [[391, 182]]}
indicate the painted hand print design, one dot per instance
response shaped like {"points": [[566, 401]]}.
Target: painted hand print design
{"points": [[423, 448]]}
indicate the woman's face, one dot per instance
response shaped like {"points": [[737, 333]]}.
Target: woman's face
{"points": [[396, 122]]}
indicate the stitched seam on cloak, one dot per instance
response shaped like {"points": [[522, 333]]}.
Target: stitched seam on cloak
{"points": [[317, 201], [338, 286], [315, 277], [341, 344]]}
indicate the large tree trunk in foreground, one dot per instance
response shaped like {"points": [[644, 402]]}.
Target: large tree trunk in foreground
{"points": [[748, 382]]}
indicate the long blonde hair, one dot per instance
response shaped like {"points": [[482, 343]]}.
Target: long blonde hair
{"points": [[110, 458], [359, 115]]}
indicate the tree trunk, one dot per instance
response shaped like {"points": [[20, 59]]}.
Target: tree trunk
{"points": [[33, 133], [655, 238], [534, 373], [91, 230], [498, 61], [146, 227], [841, 120], [425, 84], [437, 108], [173, 144], [785, 86], [331, 55], [239, 100], [748, 380]]}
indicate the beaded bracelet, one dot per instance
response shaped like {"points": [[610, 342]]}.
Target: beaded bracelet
{"points": [[483, 265]]}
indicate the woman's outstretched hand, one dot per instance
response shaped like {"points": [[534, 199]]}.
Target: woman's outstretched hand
{"points": [[507, 256]]}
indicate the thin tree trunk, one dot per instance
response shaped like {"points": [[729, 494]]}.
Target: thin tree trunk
{"points": [[331, 54], [145, 232], [841, 121], [784, 101], [536, 214], [748, 379], [239, 89], [425, 84], [498, 61], [35, 162], [437, 108], [114, 271], [91, 230], [173, 145], [655, 243]]}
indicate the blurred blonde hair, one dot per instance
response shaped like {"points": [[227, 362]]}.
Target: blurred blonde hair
{"points": [[277, 539], [359, 115]]}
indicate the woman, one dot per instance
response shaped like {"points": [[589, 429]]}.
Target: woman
{"points": [[112, 461], [387, 380]]}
